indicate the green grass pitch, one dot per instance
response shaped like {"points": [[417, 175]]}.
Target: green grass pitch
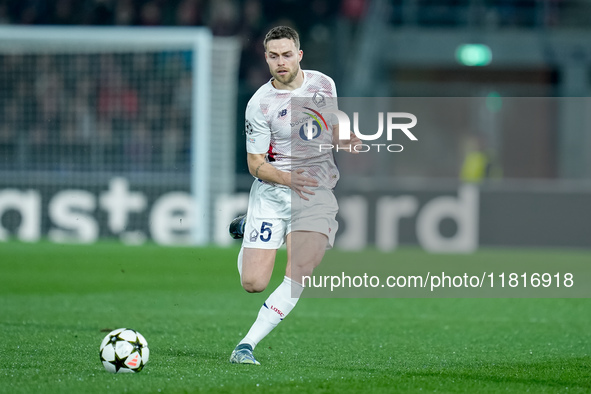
{"points": [[56, 301]]}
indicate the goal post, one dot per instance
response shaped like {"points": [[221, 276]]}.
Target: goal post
{"points": [[107, 110]]}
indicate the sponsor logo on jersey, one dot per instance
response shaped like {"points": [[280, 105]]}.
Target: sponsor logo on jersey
{"points": [[282, 113], [313, 126], [310, 130]]}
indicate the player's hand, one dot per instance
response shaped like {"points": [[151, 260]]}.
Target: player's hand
{"points": [[300, 183], [352, 142]]}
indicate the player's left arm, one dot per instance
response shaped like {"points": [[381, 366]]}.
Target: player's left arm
{"points": [[344, 144]]}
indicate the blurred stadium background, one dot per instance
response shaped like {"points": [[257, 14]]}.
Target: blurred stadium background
{"points": [[106, 131]]}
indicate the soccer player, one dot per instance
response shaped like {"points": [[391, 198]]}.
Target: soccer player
{"points": [[291, 199]]}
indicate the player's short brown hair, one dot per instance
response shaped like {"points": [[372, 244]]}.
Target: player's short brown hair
{"points": [[280, 32]]}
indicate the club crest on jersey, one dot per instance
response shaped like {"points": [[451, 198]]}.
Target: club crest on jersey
{"points": [[312, 128], [319, 99], [254, 234]]}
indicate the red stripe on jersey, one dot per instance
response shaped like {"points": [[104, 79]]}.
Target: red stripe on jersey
{"points": [[270, 153]]}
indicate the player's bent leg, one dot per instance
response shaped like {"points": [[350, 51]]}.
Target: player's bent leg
{"points": [[305, 250], [285, 297], [257, 267]]}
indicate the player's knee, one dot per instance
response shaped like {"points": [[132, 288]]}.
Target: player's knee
{"points": [[253, 286]]}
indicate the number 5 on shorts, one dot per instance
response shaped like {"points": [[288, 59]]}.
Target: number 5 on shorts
{"points": [[266, 228]]}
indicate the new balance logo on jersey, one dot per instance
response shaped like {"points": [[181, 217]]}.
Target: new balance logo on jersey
{"points": [[282, 113]]}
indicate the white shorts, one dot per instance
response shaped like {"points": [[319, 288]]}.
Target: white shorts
{"points": [[272, 214]]}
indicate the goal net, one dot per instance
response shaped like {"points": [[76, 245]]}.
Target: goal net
{"points": [[123, 133]]}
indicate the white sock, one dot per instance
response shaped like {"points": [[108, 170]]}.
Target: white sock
{"points": [[277, 306]]}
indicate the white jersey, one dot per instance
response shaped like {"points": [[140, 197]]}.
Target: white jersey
{"points": [[291, 130]]}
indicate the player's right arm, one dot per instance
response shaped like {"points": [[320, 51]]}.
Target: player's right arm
{"points": [[261, 169]]}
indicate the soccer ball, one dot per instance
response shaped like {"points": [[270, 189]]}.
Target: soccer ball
{"points": [[124, 351]]}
